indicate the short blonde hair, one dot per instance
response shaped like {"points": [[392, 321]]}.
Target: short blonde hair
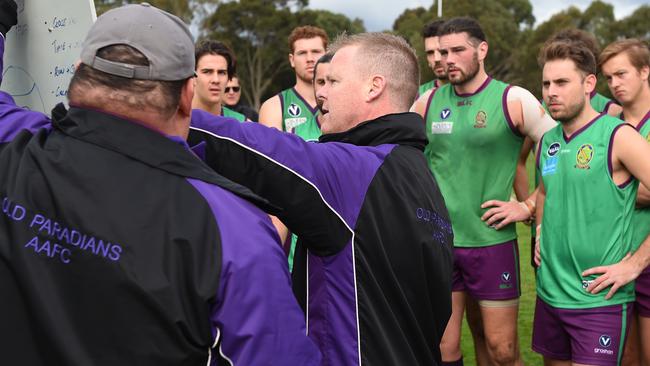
{"points": [[636, 51], [390, 56]]}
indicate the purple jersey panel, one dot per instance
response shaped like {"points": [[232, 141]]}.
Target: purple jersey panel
{"points": [[341, 172], [256, 315]]}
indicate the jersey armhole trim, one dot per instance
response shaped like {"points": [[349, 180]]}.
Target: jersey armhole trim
{"points": [[426, 111], [539, 153], [610, 168], [506, 112], [280, 95]]}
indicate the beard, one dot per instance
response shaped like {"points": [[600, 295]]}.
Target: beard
{"points": [[440, 75], [572, 111], [464, 77]]}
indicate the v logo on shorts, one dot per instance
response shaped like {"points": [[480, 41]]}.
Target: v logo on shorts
{"points": [[605, 340], [505, 276]]}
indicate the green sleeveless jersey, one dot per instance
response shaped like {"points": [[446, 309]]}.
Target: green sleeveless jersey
{"points": [[599, 102], [587, 217], [473, 150], [298, 116], [227, 112], [641, 220], [428, 86]]}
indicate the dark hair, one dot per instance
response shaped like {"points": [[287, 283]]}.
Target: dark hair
{"points": [[162, 96], [580, 36], [325, 59], [212, 47], [637, 52], [432, 28], [567, 50], [306, 32], [463, 25]]}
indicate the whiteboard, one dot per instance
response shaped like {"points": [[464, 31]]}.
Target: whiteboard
{"points": [[40, 52]]}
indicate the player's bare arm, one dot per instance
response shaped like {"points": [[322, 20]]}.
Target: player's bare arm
{"points": [[271, 113], [532, 121], [629, 154], [420, 105]]}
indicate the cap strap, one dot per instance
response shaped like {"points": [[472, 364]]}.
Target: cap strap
{"points": [[121, 69]]}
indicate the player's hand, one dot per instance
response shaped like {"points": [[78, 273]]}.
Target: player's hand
{"points": [[615, 275], [8, 15], [538, 252], [503, 213]]}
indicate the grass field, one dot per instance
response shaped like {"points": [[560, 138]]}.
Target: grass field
{"points": [[527, 301]]}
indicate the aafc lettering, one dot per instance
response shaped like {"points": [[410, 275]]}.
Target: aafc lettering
{"points": [[49, 249]]}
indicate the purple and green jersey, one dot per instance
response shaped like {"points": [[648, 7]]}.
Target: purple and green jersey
{"points": [[587, 218]]}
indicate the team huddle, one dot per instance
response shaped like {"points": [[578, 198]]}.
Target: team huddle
{"points": [[355, 224]]}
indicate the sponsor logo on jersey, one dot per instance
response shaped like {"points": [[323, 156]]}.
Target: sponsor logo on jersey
{"points": [[440, 128], [291, 123], [605, 342], [294, 110], [481, 120], [583, 156], [550, 166], [586, 283], [445, 113], [553, 149], [464, 102]]}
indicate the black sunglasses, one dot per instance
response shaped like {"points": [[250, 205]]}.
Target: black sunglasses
{"points": [[235, 89]]}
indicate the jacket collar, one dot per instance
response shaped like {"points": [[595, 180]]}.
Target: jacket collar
{"points": [[397, 128], [148, 146]]}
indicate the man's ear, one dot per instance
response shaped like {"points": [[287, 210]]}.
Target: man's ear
{"points": [[377, 87], [185, 102]]}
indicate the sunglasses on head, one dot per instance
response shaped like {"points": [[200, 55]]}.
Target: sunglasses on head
{"points": [[235, 89]]}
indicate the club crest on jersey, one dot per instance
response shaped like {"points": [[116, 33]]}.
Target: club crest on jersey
{"points": [[294, 110], [445, 113], [583, 156], [553, 149], [481, 120]]}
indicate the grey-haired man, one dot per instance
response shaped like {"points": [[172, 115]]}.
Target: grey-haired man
{"points": [[117, 245]]}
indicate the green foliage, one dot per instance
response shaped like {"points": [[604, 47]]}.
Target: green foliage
{"points": [[257, 31], [504, 22], [181, 8]]}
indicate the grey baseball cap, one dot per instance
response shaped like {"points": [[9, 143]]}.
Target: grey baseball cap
{"points": [[162, 37]]}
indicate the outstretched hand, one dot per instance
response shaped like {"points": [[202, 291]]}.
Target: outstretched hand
{"points": [[614, 275], [8, 15], [503, 213]]}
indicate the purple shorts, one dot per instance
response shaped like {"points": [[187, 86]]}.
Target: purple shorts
{"points": [[488, 273], [593, 336], [642, 288]]}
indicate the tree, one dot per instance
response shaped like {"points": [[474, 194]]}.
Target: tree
{"points": [[635, 25], [257, 31], [503, 21], [184, 9]]}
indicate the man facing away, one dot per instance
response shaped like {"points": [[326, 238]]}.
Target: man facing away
{"points": [[373, 263], [117, 244], [590, 167], [294, 109]]}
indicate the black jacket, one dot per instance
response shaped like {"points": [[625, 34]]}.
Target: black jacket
{"points": [[374, 258]]}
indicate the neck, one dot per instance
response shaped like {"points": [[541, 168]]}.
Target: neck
{"points": [[638, 108], [586, 115], [306, 90], [214, 108], [471, 86]]}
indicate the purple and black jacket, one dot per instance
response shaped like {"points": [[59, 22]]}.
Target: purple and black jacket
{"points": [[373, 263], [118, 246]]}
